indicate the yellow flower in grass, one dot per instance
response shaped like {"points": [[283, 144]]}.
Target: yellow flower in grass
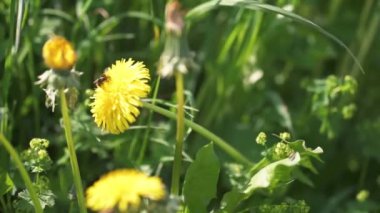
{"points": [[59, 54], [122, 189], [118, 93]]}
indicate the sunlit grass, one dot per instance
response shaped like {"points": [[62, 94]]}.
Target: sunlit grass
{"points": [[248, 70]]}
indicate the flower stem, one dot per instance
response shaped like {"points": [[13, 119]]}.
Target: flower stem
{"points": [[179, 136], [23, 172], [73, 156], [147, 131], [205, 133]]}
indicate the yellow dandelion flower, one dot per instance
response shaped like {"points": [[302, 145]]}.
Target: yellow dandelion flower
{"points": [[122, 189], [118, 95], [58, 53]]}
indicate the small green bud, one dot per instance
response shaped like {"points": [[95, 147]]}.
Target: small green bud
{"points": [[72, 96], [362, 195], [282, 150], [34, 143], [350, 84], [285, 136], [42, 154], [54, 80], [261, 138], [348, 111], [39, 143], [45, 143], [353, 165], [331, 82]]}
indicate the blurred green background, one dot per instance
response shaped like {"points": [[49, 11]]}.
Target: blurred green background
{"points": [[259, 71]]}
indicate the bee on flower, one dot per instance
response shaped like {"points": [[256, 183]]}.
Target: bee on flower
{"points": [[118, 95], [122, 190]]}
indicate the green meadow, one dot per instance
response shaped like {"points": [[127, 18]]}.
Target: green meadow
{"points": [[189, 106]]}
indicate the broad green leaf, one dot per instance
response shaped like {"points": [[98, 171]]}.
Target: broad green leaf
{"points": [[201, 180], [299, 175], [273, 173], [306, 154], [231, 200], [6, 183], [204, 8], [267, 177]]}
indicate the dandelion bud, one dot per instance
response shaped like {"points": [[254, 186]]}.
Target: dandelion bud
{"points": [[176, 56], [174, 18], [59, 54], [261, 138]]}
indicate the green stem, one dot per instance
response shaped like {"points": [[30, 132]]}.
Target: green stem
{"points": [[364, 15], [205, 133], [146, 134], [179, 136], [133, 145], [23, 172], [363, 173], [259, 165], [248, 49], [73, 156], [368, 38], [4, 206], [333, 9]]}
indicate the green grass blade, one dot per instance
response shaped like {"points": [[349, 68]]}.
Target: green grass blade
{"points": [[115, 20], [58, 13], [202, 9]]}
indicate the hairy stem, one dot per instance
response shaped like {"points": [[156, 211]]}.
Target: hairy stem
{"points": [[179, 136], [73, 156]]}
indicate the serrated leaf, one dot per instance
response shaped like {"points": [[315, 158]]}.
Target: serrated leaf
{"points": [[201, 180], [45, 196], [6, 183]]}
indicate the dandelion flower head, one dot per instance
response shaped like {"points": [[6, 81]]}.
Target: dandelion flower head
{"points": [[122, 189], [118, 95], [59, 54]]}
